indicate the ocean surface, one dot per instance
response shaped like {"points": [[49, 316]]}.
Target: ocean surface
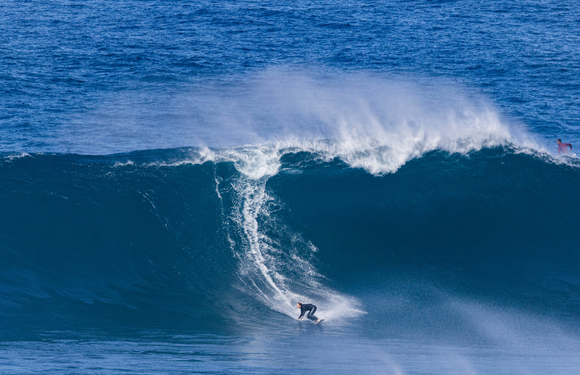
{"points": [[175, 176]]}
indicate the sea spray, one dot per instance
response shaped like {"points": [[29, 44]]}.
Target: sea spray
{"points": [[402, 116]]}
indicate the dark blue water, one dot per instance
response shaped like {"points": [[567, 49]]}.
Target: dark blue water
{"points": [[176, 176]]}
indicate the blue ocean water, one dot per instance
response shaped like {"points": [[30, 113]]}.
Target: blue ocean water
{"points": [[176, 175]]}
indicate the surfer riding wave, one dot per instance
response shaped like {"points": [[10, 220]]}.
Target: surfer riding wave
{"points": [[311, 310]]}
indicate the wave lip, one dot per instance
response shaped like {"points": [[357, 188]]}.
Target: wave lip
{"points": [[369, 121]]}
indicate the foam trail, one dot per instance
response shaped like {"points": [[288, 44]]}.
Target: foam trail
{"points": [[263, 260], [254, 197]]}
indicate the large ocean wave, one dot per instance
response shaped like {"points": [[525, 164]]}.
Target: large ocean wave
{"points": [[237, 235]]}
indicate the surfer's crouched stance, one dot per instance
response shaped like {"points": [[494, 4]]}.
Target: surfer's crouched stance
{"points": [[311, 310]]}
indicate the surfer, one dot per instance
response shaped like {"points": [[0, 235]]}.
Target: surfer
{"points": [[563, 147], [311, 310]]}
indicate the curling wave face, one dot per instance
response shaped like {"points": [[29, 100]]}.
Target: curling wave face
{"points": [[221, 234]]}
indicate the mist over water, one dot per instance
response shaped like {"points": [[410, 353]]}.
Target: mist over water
{"points": [[298, 108]]}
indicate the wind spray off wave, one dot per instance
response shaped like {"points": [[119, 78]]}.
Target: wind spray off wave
{"points": [[374, 121], [369, 121]]}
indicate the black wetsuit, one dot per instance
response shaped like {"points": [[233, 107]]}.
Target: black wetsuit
{"points": [[311, 310]]}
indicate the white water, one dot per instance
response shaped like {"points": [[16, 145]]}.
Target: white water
{"points": [[264, 261]]}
